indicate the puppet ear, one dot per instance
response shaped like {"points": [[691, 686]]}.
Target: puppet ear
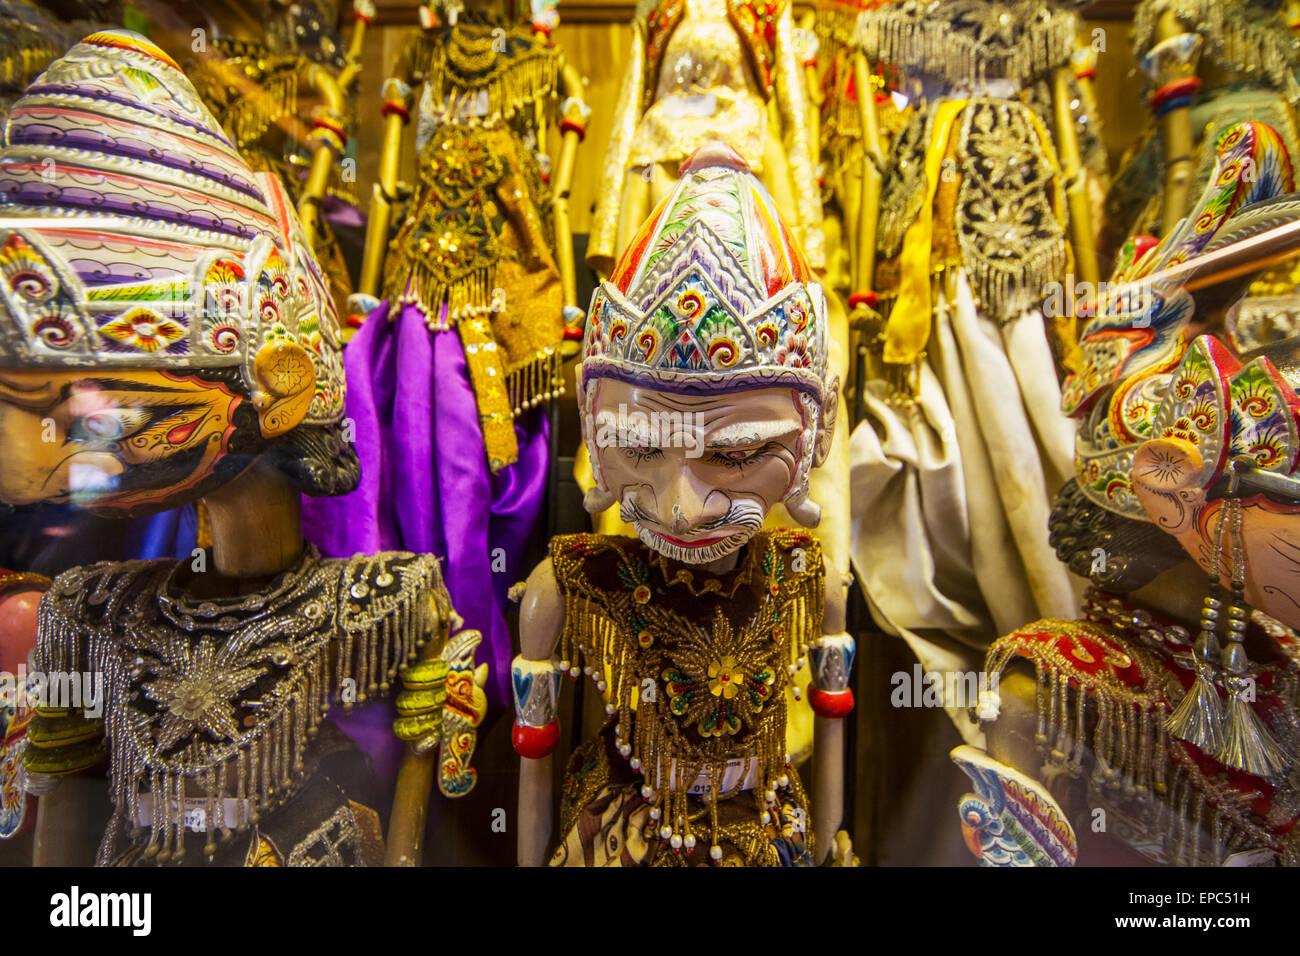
{"points": [[1167, 476], [597, 500], [830, 411], [285, 379], [1167, 465], [803, 509]]}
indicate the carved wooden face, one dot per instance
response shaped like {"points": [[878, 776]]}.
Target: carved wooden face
{"points": [[1162, 477], [111, 440], [697, 475]]}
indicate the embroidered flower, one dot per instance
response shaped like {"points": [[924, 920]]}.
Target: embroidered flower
{"points": [[725, 678]]}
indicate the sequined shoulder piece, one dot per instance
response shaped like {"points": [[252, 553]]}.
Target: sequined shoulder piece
{"points": [[387, 585], [85, 599]]}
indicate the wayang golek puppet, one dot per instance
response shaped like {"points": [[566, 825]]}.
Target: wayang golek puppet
{"points": [[1171, 705], [453, 375], [704, 399], [162, 310], [733, 71]]}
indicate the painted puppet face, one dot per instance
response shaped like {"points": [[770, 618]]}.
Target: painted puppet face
{"points": [[119, 440], [1162, 477], [697, 475]]}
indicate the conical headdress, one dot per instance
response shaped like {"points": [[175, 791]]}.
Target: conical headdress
{"points": [[712, 296], [713, 293], [132, 234]]}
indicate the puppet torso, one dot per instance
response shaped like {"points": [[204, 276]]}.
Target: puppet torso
{"points": [[707, 659], [215, 703]]}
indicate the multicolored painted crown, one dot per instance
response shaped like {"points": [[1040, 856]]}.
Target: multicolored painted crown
{"points": [[1228, 410], [1140, 335], [713, 294], [132, 234]]}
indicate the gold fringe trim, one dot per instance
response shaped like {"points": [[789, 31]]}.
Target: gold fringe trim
{"points": [[513, 84], [602, 636], [466, 296], [261, 767], [919, 40], [538, 380], [1133, 754]]}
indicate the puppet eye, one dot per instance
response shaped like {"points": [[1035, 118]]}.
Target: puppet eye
{"points": [[107, 425], [640, 453], [740, 457]]}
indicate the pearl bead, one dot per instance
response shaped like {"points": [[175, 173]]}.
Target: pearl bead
{"points": [[564, 665], [766, 818], [665, 831], [715, 852], [574, 672], [770, 795], [654, 814], [600, 686], [636, 763], [647, 792], [689, 842], [625, 750], [675, 842], [784, 781], [609, 709]]}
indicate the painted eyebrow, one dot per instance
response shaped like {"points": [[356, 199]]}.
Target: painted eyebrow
{"points": [[112, 385], [744, 434]]}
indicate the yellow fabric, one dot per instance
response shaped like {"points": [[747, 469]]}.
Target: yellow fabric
{"points": [[908, 328], [1062, 327]]}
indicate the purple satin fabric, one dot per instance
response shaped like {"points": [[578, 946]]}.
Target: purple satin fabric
{"points": [[425, 484]]}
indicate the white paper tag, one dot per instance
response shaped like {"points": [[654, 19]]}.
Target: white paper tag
{"points": [[694, 104]]}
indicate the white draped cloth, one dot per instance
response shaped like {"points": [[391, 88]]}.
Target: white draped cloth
{"points": [[951, 495]]}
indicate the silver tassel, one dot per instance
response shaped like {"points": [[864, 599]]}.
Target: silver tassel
{"points": [[1198, 719], [1247, 744]]}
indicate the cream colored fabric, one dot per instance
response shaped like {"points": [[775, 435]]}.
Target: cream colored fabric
{"points": [[951, 496]]}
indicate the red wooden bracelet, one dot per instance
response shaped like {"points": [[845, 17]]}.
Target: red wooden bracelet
{"points": [[1183, 87], [535, 742], [827, 703]]}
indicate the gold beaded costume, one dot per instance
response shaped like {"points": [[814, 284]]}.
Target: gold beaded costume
{"points": [[474, 251], [694, 668]]}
